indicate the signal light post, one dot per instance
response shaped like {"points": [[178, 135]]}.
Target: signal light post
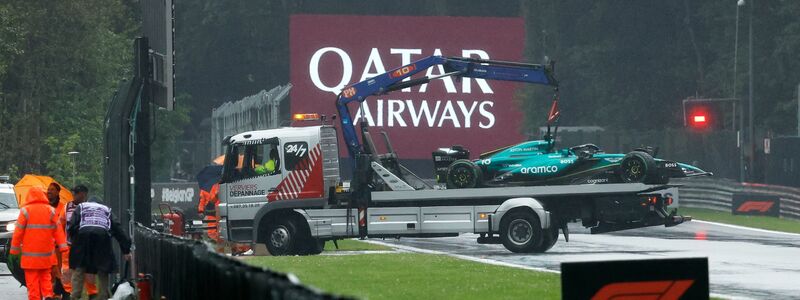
{"points": [[703, 113]]}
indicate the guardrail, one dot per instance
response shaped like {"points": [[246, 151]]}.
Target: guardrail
{"points": [[717, 194], [189, 269]]}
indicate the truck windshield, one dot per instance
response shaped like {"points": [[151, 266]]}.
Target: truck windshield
{"points": [[8, 200], [251, 160]]}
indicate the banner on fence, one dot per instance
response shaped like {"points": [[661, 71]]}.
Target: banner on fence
{"points": [[183, 195], [681, 278], [756, 204]]}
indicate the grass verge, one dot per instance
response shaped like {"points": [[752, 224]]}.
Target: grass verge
{"points": [[770, 223], [354, 245], [414, 276]]}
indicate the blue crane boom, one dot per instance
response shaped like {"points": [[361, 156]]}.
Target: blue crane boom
{"points": [[453, 66]]}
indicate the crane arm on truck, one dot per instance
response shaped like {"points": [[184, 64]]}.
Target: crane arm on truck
{"points": [[453, 66]]}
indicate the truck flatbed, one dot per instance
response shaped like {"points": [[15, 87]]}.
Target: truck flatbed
{"points": [[517, 191]]}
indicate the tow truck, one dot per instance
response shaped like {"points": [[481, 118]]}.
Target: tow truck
{"points": [[302, 202]]}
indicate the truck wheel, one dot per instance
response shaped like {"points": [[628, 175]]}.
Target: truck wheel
{"points": [[520, 231], [549, 239], [312, 246], [281, 237], [463, 174], [637, 166]]}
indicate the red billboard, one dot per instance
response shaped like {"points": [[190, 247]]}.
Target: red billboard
{"points": [[329, 52]]}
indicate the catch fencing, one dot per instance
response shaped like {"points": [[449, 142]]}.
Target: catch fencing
{"points": [[717, 194], [255, 112], [190, 269]]}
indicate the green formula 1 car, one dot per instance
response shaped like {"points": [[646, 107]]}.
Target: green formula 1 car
{"points": [[537, 163]]}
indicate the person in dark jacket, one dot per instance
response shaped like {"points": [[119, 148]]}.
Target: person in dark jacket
{"points": [[90, 230]]}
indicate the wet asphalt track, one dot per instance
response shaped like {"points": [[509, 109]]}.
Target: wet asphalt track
{"points": [[742, 262], [9, 287]]}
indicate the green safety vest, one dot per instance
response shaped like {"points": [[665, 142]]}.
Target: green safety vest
{"points": [[270, 166]]}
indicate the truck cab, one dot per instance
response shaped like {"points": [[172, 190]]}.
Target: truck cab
{"points": [[264, 168]]}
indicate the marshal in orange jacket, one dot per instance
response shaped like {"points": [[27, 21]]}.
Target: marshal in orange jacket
{"points": [[37, 232]]}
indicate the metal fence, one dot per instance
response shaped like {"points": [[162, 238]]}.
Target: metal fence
{"points": [[256, 112], [717, 194], [189, 269]]}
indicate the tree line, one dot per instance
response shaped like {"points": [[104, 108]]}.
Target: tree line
{"points": [[621, 64], [60, 65]]}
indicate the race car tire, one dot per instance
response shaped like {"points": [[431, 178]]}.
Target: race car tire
{"points": [[463, 174], [637, 166], [520, 231], [549, 239], [282, 237]]}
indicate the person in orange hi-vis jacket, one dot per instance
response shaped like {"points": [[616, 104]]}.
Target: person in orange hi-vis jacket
{"points": [[208, 201], [79, 193], [35, 238], [54, 198]]}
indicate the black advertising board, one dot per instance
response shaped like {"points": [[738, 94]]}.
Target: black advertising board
{"points": [[755, 204], [183, 195], [677, 278]]}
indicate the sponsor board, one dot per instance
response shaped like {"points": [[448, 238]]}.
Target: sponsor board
{"points": [[183, 195], [667, 279], [755, 204], [330, 52]]}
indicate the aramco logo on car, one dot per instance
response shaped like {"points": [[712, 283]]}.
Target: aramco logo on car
{"points": [[539, 170], [326, 59]]}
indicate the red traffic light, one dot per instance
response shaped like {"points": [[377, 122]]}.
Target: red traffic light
{"points": [[699, 119], [707, 114], [699, 116]]}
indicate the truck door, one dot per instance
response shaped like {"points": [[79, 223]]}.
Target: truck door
{"points": [[303, 173], [252, 170]]}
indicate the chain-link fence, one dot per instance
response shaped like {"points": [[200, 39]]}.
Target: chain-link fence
{"points": [[255, 112]]}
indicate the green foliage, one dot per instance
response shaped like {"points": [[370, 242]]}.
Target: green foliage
{"points": [[12, 36], [624, 64], [60, 76], [621, 64]]}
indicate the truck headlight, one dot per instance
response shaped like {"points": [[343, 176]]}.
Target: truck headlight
{"points": [[10, 227]]}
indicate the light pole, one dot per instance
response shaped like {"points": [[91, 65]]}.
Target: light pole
{"points": [[740, 132], [74, 155]]}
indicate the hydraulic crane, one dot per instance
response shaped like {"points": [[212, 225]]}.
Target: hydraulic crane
{"points": [[453, 66]]}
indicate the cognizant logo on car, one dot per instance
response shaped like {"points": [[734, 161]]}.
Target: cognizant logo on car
{"points": [[539, 170]]}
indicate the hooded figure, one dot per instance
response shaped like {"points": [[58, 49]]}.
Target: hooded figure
{"points": [[90, 230], [210, 201], [37, 234], [79, 194]]}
